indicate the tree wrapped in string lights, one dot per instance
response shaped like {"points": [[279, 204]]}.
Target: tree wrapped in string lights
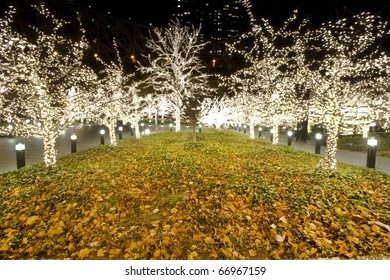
{"points": [[348, 67], [11, 44], [150, 106], [134, 109], [164, 107], [174, 66], [217, 112], [382, 102], [250, 106], [277, 70], [112, 95], [48, 89]]}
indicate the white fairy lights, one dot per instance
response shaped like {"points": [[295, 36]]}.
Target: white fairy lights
{"points": [[174, 66], [45, 81]]}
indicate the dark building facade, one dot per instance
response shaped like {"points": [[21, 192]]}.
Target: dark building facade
{"points": [[221, 21]]}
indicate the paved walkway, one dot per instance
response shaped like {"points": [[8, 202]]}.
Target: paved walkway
{"points": [[354, 158]]}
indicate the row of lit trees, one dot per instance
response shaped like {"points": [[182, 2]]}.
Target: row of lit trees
{"points": [[336, 75], [46, 88]]}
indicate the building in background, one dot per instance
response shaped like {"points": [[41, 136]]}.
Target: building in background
{"points": [[221, 21]]}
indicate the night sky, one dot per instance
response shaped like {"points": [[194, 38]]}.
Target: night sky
{"points": [[159, 12]]}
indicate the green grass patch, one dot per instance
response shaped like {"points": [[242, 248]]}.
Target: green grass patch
{"points": [[224, 197]]}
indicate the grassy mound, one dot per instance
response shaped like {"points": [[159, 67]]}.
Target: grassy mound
{"points": [[225, 197]]}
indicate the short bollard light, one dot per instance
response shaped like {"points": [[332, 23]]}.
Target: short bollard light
{"points": [[272, 135], [170, 127], [289, 138], [73, 143], [244, 128], [102, 132], [200, 128], [20, 155], [142, 127], [120, 129], [371, 152], [318, 143], [260, 130]]}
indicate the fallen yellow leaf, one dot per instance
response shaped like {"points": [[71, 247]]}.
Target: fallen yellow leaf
{"points": [[208, 240], [252, 253], [101, 253], [84, 253], [31, 220]]}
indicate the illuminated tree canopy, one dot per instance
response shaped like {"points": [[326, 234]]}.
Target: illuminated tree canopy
{"points": [[45, 81], [175, 68], [347, 75]]}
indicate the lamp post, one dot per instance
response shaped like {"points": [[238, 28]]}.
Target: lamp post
{"points": [[102, 132], [318, 143], [170, 127], [120, 129], [73, 143], [289, 138], [260, 129], [244, 128], [371, 152], [142, 127], [200, 128], [20, 155], [272, 135]]}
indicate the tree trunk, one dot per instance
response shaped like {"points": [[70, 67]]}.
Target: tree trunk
{"points": [[49, 150], [366, 130], [252, 131], [111, 131], [136, 128], [329, 161], [177, 117], [193, 131], [275, 133]]}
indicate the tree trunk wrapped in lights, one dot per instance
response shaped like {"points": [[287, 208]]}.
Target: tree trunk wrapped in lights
{"points": [[47, 91], [174, 65]]}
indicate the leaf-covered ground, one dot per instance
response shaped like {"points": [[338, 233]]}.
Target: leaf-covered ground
{"points": [[225, 197]]}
